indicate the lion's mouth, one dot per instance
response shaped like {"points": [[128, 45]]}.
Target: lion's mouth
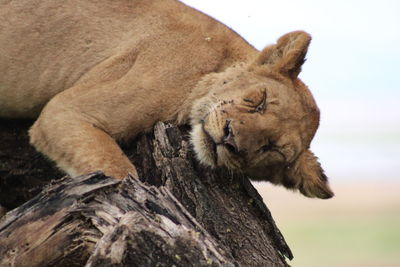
{"points": [[211, 145]]}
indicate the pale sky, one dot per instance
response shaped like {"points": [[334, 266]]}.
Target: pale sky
{"points": [[352, 68]]}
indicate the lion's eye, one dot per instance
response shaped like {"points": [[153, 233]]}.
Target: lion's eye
{"points": [[268, 147], [261, 107], [258, 106], [227, 129]]}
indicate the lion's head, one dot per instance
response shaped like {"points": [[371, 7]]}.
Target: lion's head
{"points": [[259, 118]]}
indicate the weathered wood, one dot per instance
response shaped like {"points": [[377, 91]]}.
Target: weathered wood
{"points": [[49, 230], [166, 235], [128, 221], [209, 216]]}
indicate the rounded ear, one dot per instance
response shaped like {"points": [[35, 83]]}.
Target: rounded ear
{"points": [[306, 175], [287, 55]]}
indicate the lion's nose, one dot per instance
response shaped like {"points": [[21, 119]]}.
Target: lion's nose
{"points": [[229, 139]]}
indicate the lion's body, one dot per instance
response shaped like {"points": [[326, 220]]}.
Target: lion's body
{"points": [[100, 71]]}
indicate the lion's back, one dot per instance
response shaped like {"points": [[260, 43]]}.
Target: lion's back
{"points": [[47, 46]]}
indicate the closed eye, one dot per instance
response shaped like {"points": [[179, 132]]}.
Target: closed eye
{"points": [[266, 148], [271, 146], [261, 106]]}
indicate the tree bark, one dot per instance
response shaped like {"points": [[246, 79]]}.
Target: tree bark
{"points": [[23, 171], [180, 213]]}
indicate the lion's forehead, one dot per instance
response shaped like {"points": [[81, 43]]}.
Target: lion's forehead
{"points": [[251, 88]]}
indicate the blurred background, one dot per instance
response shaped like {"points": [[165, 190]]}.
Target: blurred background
{"points": [[353, 70]]}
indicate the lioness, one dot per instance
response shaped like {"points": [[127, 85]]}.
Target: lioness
{"points": [[97, 72]]}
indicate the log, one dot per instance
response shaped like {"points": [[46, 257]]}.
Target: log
{"points": [[113, 222], [180, 213]]}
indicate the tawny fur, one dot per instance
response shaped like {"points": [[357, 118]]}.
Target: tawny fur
{"points": [[97, 72]]}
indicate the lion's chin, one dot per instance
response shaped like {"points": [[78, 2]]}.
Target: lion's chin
{"points": [[204, 146]]}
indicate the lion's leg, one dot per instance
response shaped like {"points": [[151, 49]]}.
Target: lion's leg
{"points": [[72, 140]]}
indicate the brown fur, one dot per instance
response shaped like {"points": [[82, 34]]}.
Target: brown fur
{"points": [[102, 71]]}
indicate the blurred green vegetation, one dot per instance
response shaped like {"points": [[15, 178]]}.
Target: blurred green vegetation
{"points": [[347, 241]]}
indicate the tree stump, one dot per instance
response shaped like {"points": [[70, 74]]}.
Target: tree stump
{"points": [[179, 214]]}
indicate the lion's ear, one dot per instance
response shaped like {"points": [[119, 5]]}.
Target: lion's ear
{"points": [[306, 175], [287, 55]]}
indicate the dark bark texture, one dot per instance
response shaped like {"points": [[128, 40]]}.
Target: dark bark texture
{"points": [[23, 171], [179, 214]]}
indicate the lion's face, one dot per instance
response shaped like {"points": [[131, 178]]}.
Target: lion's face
{"points": [[250, 121], [259, 118]]}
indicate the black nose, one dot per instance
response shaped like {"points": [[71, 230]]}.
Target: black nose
{"points": [[229, 139]]}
